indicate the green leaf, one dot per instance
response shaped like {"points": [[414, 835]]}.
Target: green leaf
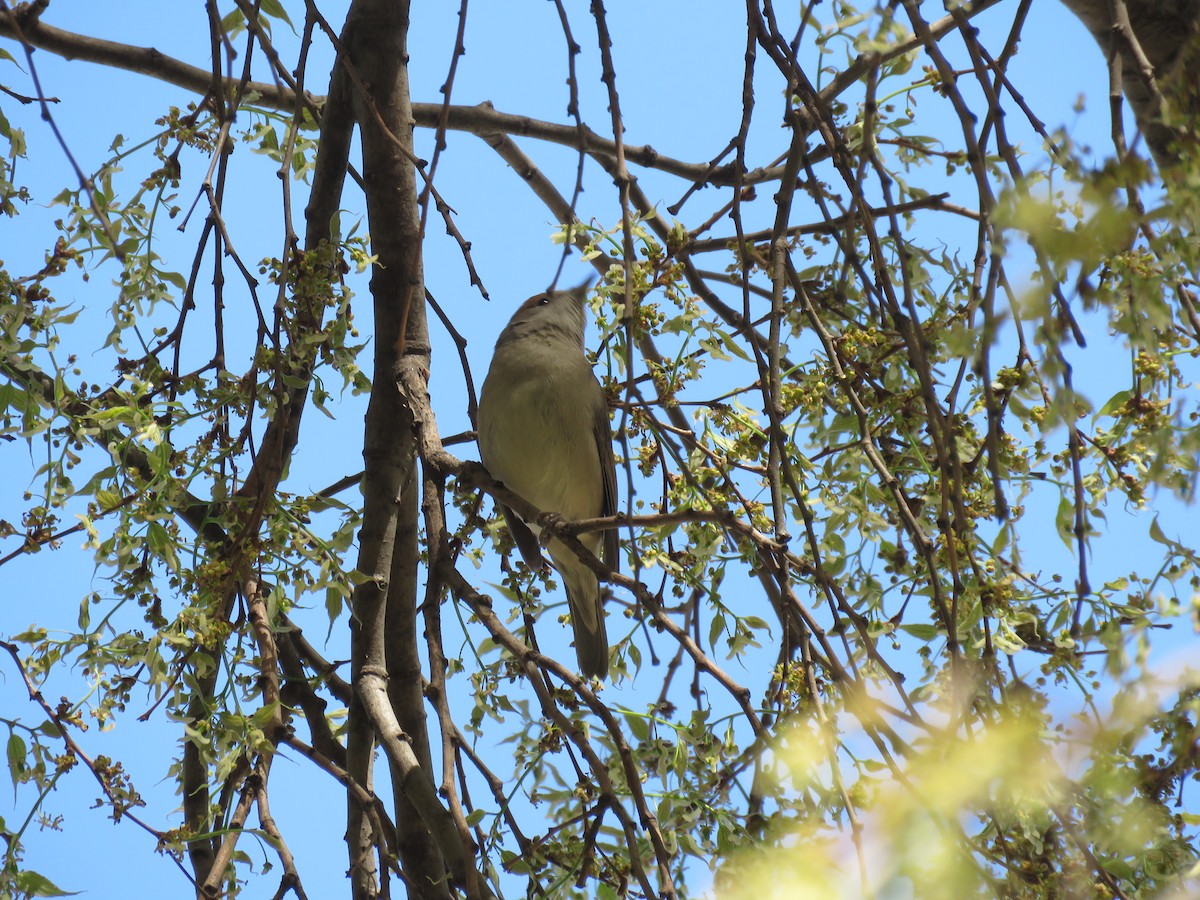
{"points": [[1115, 402], [107, 499], [234, 23], [333, 603], [1000, 544], [1064, 520], [275, 10], [924, 632], [161, 544], [638, 726], [17, 758], [12, 397], [971, 618], [33, 884], [733, 346], [114, 414], [715, 629], [1156, 534]]}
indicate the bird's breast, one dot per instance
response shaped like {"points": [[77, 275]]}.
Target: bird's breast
{"points": [[536, 433]]}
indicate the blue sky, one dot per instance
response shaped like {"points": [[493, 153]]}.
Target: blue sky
{"points": [[680, 92]]}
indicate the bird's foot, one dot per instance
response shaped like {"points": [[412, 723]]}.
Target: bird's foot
{"points": [[547, 522]]}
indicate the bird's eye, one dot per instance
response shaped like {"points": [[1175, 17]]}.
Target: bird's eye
{"points": [[544, 300]]}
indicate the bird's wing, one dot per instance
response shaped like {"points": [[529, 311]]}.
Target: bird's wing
{"points": [[602, 429], [525, 540]]}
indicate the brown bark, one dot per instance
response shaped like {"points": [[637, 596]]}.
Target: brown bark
{"points": [[387, 672], [1156, 47]]}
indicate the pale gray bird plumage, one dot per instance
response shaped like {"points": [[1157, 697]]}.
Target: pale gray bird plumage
{"points": [[544, 432]]}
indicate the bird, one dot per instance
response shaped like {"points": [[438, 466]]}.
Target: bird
{"points": [[544, 433]]}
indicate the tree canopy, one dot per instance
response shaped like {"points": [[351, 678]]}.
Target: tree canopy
{"points": [[902, 369]]}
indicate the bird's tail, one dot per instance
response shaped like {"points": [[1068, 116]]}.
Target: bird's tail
{"points": [[587, 616]]}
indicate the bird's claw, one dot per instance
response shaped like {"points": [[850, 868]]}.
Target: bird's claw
{"points": [[548, 521]]}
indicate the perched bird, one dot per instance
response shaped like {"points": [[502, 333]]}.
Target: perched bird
{"points": [[544, 432]]}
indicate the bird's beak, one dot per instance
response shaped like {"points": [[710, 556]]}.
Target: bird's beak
{"points": [[580, 291]]}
